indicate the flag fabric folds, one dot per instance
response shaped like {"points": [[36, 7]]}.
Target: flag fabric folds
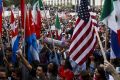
{"points": [[115, 47], [0, 17], [28, 39], [41, 5], [37, 19], [39, 24], [108, 16], [22, 6], [15, 37], [111, 17], [32, 47], [93, 16], [116, 4], [83, 38], [58, 27]]}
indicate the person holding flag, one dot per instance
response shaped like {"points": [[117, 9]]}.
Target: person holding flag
{"points": [[15, 37], [111, 17]]}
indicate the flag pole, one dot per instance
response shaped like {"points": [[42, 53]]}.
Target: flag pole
{"points": [[1, 41], [50, 32], [7, 29], [25, 12], [49, 28], [100, 43], [106, 38], [76, 6]]}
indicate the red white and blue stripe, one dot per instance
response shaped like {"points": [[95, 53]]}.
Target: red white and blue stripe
{"points": [[32, 47], [15, 37], [83, 38]]}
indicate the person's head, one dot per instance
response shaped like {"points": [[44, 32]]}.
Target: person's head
{"points": [[16, 74], [100, 73], [8, 52], [53, 68], [11, 66], [35, 63], [41, 70], [92, 58], [85, 75], [3, 75]]}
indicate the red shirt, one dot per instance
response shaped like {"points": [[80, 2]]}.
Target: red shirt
{"points": [[66, 74]]}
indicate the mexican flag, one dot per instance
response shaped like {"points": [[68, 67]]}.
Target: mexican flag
{"points": [[41, 5], [58, 26], [110, 15], [38, 6]]}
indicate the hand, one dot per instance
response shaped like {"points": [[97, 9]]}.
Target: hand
{"points": [[19, 53], [4, 58], [109, 67]]}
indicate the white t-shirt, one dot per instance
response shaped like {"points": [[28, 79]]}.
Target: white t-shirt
{"points": [[110, 77]]}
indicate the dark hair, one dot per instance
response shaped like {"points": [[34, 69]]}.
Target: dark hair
{"points": [[44, 67], [18, 72], [102, 73], [2, 69], [9, 49], [85, 75], [35, 63], [44, 49], [67, 64], [54, 69]]}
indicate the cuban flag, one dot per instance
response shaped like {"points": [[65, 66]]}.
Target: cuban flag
{"points": [[15, 37], [32, 47], [28, 39]]}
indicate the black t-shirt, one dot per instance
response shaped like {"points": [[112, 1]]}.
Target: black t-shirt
{"points": [[33, 72]]}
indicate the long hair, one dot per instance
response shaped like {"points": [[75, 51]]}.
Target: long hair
{"points": [[54, 69], [102, 73], [67, 64]]}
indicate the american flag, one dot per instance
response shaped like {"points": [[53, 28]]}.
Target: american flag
{"points": [[83, 38], [93, 16]]}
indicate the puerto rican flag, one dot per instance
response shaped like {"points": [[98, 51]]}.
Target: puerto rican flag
{"points": [[15, 37]]}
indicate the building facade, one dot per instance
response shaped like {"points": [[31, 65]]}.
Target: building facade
{"points": [[60, 2], [70, 2]]}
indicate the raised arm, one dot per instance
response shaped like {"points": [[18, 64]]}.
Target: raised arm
{"points": [[110, 68], [25, 62]]}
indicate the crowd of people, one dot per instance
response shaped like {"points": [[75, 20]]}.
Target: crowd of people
{"points": [[55, 63]]}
